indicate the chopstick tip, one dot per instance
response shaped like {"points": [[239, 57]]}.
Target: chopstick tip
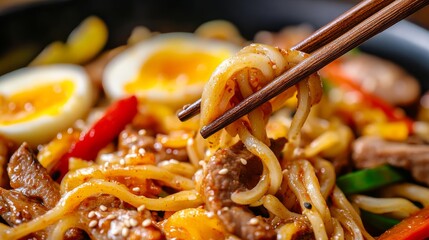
{"points": [[189, 110]]}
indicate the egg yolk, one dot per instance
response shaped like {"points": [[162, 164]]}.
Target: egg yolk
{"points": [[176, 66], [31, 103]]}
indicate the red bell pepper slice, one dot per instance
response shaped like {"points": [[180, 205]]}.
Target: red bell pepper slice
{"points": [[105, 130], [415, 227], [334, 73]]}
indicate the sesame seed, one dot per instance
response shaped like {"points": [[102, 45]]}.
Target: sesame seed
{"points": [[127, 223], [103, 208], [125, 232], [210, 214], [92, 224], [274, 66], [133, 139], [141, 208], [133, 222], [201, 163], [223, 171], [116, 231], [253, 221], [136, 189], [243, 161], [110, 217], [122, 162], [98, 214], [91, 214], [146, 223]]}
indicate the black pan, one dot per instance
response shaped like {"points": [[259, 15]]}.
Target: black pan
{"points": [[31, 27]]}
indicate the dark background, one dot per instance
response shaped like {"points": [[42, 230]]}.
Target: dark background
{"points": [[25, 29]]}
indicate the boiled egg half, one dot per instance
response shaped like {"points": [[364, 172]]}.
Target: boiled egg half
{"points": [[38, 102], [169, 68]]}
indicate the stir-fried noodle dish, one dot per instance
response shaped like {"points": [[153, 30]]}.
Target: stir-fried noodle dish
{"points": [[91, 147]]}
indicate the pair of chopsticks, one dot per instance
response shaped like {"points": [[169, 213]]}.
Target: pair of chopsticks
{"points": [[346, 32]]}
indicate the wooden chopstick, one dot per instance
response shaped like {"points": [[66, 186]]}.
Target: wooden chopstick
{"points": [[329, 32], [369, 27]]}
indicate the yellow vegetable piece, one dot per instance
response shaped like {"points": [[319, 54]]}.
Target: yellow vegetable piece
{"points": [[55, 149], [77, 163], [55, 52], [84, 43], [193, 224], [395, 131], [176, 139], [87, 40]]}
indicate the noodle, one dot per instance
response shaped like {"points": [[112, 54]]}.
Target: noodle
{"points": [[347, 215], [410, 191], [78, 177], [250, 70], [180, 168], [272, 204], [399, 206], [63, 225]]}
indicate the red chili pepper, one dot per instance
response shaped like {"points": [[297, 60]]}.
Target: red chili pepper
{"points": [[335, 74], [106, 129], [415, 227]]}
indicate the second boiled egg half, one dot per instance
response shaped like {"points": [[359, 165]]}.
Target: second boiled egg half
{"points": [[169, 68]]}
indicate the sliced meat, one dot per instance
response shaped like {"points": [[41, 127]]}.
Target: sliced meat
{"points": [[382, 78], [75, 234], [30, 178], [374, 151], [34, 192], [132, 138], [104, 217], [217, 189], [15, 208], [94, 202], [4, 151]]}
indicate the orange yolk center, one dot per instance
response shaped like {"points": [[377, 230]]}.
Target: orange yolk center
{"points": [[31, 103], [174, 67]]}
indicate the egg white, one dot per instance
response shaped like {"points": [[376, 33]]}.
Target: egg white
{"points": [[45, 127], [126, 66]]}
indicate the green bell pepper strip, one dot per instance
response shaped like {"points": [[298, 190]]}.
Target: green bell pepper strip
{"points": [[378, 222], [370, 179]]}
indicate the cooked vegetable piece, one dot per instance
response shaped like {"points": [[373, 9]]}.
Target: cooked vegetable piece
{"points": [[105, 130], [415, 227], [334, 73], [370, 179], [378, 222], [84, 43]]}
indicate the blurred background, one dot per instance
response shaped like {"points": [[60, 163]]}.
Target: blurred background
{"points": [[421, 17], [27, 26]]}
